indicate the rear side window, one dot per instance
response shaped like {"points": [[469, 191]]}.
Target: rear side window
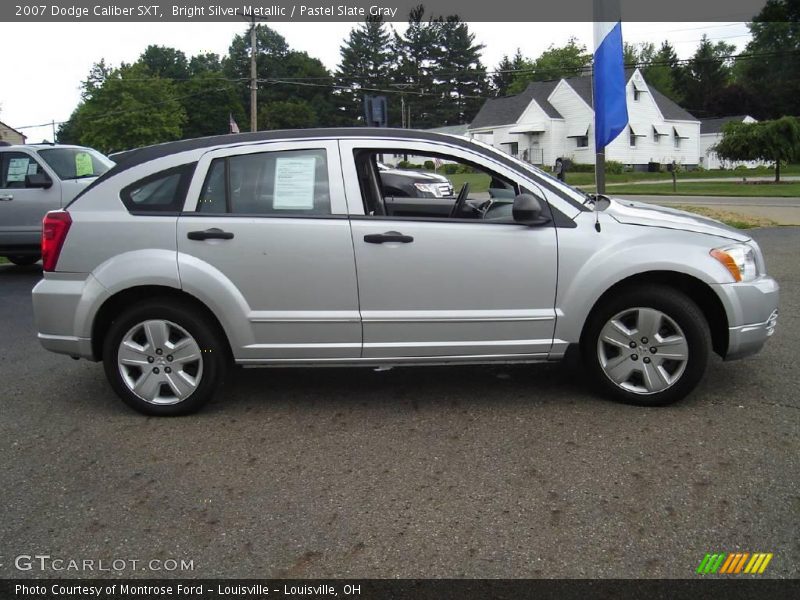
{"points": [[291, 183], [161, 192], [14, 167]]}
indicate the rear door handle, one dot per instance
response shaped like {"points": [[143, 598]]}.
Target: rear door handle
{"points": [[210, 234], [389, 236], [6, 197]]}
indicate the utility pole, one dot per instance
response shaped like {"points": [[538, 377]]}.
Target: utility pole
{"points": [[253, 78]]}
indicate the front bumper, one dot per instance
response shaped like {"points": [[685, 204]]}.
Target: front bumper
{"points": [[752, 309]]}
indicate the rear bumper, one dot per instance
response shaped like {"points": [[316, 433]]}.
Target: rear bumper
{"points": [[752, 309], [64, 306]]}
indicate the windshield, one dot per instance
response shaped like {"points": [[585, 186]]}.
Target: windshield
{"points": [[76, 163], [576, 194]]}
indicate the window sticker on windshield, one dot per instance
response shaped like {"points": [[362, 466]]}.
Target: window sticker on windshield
{"points": [[83, 164], [294, 182], [17, 169]]}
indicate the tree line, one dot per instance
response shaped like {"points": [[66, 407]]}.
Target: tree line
{"points": [[435, 67]]}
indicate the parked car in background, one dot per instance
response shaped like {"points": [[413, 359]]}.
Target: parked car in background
{"points": [[281, 249], [410, 192], [35, 179]]}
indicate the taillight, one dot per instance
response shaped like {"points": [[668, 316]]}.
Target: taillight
{"points": [[54, 231]]}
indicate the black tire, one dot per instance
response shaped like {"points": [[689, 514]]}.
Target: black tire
{"points": [[214, 353], [23, 261], [676, 306]]}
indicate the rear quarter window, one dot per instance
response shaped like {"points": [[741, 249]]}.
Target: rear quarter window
{"points": [[162, 192]]}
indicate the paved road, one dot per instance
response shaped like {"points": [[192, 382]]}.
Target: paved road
{"points": [[440, 472], [783, 211]]}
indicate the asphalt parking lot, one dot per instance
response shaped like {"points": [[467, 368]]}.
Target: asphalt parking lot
{"points": [[515, 471]]}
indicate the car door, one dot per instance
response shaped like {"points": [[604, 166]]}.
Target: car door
{"points": [[454, 288], [268, 224], [21, 208]]}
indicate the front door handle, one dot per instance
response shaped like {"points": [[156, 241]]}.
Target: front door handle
{"points": [[6, 197], [210, 234], [389, 236]]}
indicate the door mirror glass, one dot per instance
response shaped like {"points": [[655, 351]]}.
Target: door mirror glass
{"points": [[38, 180], [527, 210]]}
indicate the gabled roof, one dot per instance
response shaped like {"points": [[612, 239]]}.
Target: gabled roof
{"points": [[12, 129], [508, 109], [715, 125], [669, 109]]}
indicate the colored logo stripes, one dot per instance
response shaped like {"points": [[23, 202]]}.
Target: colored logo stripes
{"points": [[734, 563]]}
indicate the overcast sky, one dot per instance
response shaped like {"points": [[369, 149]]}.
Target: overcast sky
{"points": [[41, 76]]}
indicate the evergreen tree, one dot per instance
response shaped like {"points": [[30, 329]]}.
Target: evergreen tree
{"points": [[416, 52], [365, 62], [661, 74], [460, 77], [507, 70], [708, 72]]}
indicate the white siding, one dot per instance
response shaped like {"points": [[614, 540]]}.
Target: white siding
{"points": [[712, 161], [575, 111], [642, 113]]}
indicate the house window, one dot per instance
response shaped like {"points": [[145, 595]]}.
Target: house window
{"points": [[656, 137], [677, 140], [582, 141], [636, 94], [632, 137]]}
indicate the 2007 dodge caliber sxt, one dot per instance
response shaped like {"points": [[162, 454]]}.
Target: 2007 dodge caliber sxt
{"points": [[283, 249]]}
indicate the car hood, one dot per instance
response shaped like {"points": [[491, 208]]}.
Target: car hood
{"points": [[418, 175], [631, 212], [72, 187]]}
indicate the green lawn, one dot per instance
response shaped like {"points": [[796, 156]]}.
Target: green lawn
{"points": [[723, 188], [478, 182], [588, 178]]}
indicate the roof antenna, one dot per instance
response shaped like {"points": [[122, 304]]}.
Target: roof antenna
{"points": [[596, 218]]}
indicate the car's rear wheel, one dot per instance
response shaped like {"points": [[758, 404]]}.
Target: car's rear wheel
{"points": [[23, 261], [647, 346], [164, 357]]}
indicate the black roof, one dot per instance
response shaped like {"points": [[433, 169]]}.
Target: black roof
{"points": [[715, 125], [508, 109], [131, 158]]}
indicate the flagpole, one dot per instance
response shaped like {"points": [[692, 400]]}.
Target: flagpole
{"points": [[608, 83]]}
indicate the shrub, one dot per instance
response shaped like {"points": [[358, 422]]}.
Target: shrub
{"points": [[614, 167], [451, 169], [429, 165]]}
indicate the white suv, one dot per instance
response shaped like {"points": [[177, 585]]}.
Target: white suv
{"points": [[35, 179]]}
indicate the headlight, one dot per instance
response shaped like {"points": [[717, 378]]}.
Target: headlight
{"points": [[740, 260], [428, 188]]}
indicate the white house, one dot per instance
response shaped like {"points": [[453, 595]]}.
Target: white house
{"points": [[711, 133], [553, 119]]}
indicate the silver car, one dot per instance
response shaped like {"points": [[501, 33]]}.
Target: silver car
{"points": [[278, 249], [35, 179]]}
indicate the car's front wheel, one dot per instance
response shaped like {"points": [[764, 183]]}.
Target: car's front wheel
{"points": [[164, 358], [647, 346]]}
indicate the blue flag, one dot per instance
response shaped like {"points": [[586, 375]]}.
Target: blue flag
{"points": [[608, 84]]}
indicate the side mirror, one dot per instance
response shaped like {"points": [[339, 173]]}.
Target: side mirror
{"points": [[39, 180], [527, 210]]}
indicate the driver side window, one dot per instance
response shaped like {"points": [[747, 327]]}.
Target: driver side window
{"points": [[396, 183]]}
